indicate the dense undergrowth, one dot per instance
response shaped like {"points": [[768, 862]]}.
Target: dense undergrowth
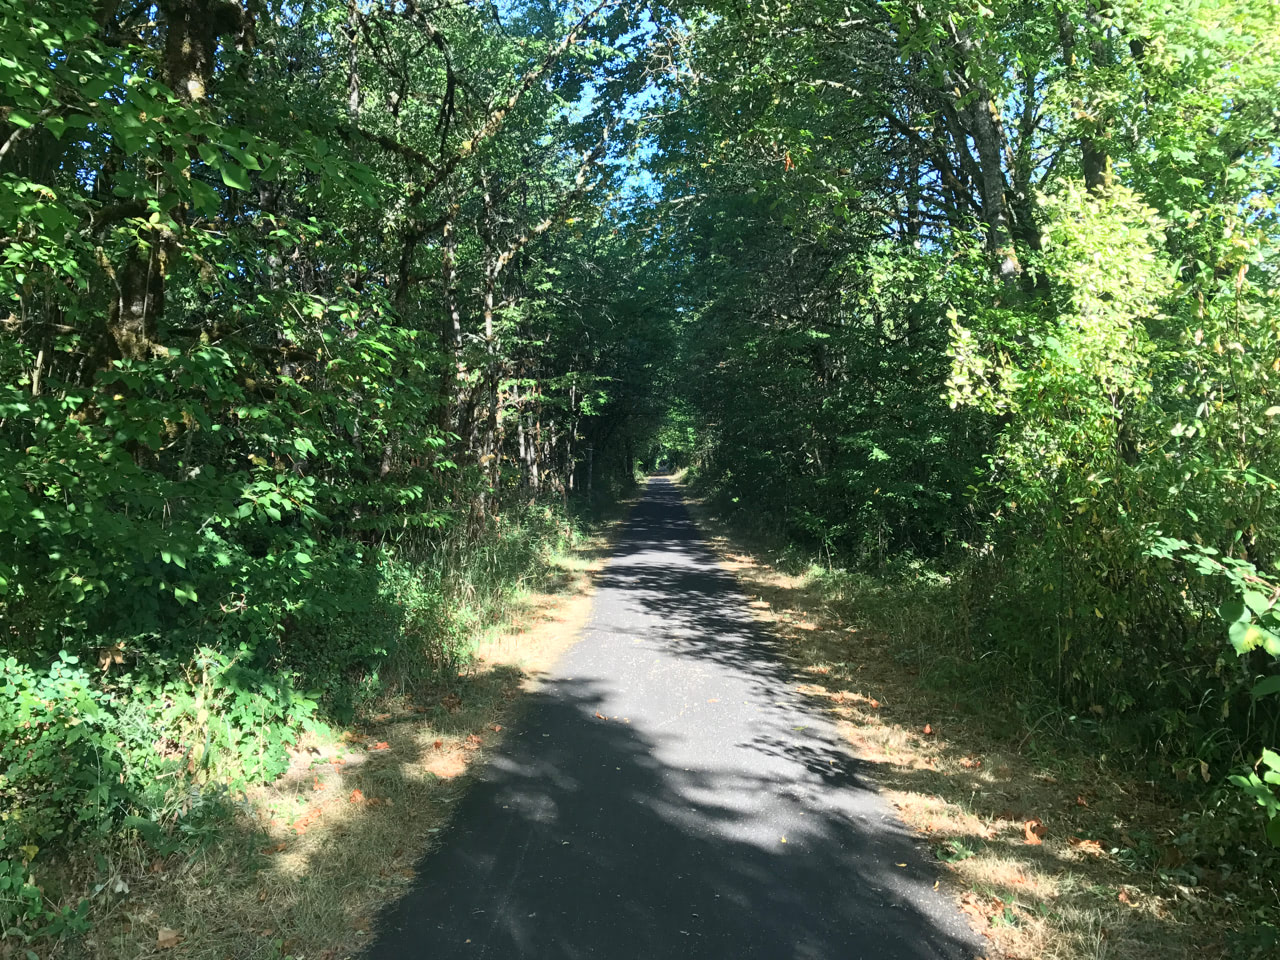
{"points": [[927, 617], [305, 361], [984, 302], [135, 752]]}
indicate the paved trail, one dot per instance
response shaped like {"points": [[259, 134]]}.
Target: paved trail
{"points": [[657, 833]]}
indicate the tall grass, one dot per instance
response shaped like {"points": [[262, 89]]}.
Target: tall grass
{"points": [[451, 586], [96, 765]]}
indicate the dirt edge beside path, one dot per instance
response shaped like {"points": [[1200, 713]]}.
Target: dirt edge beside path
{"points": [[1047, 857], [304, 869]]}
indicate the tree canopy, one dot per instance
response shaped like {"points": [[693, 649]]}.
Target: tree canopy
{"points": [[299, 292], [993, 289]]}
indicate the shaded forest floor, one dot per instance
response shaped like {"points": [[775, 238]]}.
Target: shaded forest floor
{"points": [[307, 862], [1051, 853]]}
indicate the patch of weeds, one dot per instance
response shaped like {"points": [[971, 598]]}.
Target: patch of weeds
{"points": [[1052, 846], [297, 866], [953, 851]]}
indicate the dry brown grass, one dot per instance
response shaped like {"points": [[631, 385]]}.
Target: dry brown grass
{"points": [[314, 856], [1037, 847]]}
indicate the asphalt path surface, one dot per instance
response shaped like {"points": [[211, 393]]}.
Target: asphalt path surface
{"points": [[713, 813]]}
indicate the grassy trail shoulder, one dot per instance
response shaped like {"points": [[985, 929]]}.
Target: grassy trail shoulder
{"points": [[306, 863], [1051, 853]]}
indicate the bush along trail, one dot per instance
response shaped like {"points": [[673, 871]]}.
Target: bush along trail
{"points": [[299, 863], [327, 325], [1052, 849]]}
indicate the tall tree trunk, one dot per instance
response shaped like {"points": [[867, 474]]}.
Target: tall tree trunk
{"points": [[450, 329], [536, 445], [192, 29], [491, 384], [1095, 162], [980, 119], [353, 60], [989, 141]]}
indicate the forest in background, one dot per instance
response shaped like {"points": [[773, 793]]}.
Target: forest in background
{"points": [[319, 320], [981, 301], [322, 316]]}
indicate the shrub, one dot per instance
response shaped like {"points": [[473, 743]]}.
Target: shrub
{"points": [[61, 771]]}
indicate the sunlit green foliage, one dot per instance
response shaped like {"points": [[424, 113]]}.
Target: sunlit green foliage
{"points": [[304, 312], [313, 309], [994, 287]]}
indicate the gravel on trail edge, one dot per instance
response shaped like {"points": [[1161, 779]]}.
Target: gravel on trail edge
{"points": [[668, 794]]}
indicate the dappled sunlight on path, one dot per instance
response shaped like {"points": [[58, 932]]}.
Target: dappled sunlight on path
{"points": [[668, 793]]}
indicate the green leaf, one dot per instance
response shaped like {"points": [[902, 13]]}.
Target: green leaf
{"points": [[1266, 688], [1234, 611], [234, 176], [1249, 636], [148, 829], [1256, 602], [204, 197], [1273, 831]]}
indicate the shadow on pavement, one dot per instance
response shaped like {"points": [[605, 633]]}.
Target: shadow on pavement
{"points": [[670, 796]]}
